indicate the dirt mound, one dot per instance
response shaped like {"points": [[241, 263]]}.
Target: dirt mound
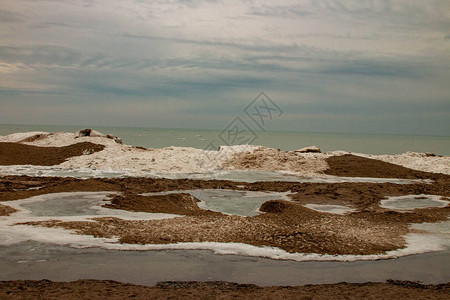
{"points": [[356, 166], [273, 206], [20, 154]]}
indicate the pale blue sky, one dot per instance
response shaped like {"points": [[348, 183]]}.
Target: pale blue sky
{"points": [[332, 66]]}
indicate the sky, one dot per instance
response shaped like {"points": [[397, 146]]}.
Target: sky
{"points": [[330, 66]]}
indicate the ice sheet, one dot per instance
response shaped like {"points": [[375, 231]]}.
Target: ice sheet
{"points": [[231, 202]]}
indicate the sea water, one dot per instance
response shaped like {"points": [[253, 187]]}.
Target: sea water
{"points": [[197, 138]]}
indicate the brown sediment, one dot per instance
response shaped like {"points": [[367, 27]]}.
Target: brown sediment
{"points": [[21, 154], [95, 289], [6, 210], [356, 166]]}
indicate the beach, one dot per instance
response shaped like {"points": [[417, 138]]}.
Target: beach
{"points": [[83, 191]]}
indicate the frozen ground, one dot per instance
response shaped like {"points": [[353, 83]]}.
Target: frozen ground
{"points": [[432, 237]]}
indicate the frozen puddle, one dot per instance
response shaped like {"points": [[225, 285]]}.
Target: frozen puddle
{"points": [[410, 202], [231, 202], [232, 175], [332, 209], [74, 206]]}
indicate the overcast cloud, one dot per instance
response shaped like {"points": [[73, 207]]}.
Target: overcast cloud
{"points": [[332, 66]]}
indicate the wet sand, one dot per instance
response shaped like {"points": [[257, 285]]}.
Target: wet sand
{"points": [[285, 224], [21, 154], [89, 289]]}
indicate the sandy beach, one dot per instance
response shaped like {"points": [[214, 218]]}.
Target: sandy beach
{"points": [[326, 220]]}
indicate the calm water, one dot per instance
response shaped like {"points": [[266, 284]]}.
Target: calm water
{"points": [[364, 143], [32, 260]]}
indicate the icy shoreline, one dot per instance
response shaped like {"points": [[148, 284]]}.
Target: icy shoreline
{"points": [[178, 160], [428, 237]]}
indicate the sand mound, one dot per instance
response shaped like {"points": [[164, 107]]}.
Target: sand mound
{"points": [[20, 154], [273, 206]]}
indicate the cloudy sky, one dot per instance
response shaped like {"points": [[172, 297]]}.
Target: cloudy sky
{"points": [[331, 66]]}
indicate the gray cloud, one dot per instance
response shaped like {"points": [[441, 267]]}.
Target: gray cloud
{"points": [[205, 58]]}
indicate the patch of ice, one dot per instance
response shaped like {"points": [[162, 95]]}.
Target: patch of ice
{"points": [[410, 202]]}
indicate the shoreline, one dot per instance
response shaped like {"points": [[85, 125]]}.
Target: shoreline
{"points": [[285, 229]]}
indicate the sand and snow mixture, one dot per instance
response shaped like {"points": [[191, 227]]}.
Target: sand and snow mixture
{"points": [[117, 156]]}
